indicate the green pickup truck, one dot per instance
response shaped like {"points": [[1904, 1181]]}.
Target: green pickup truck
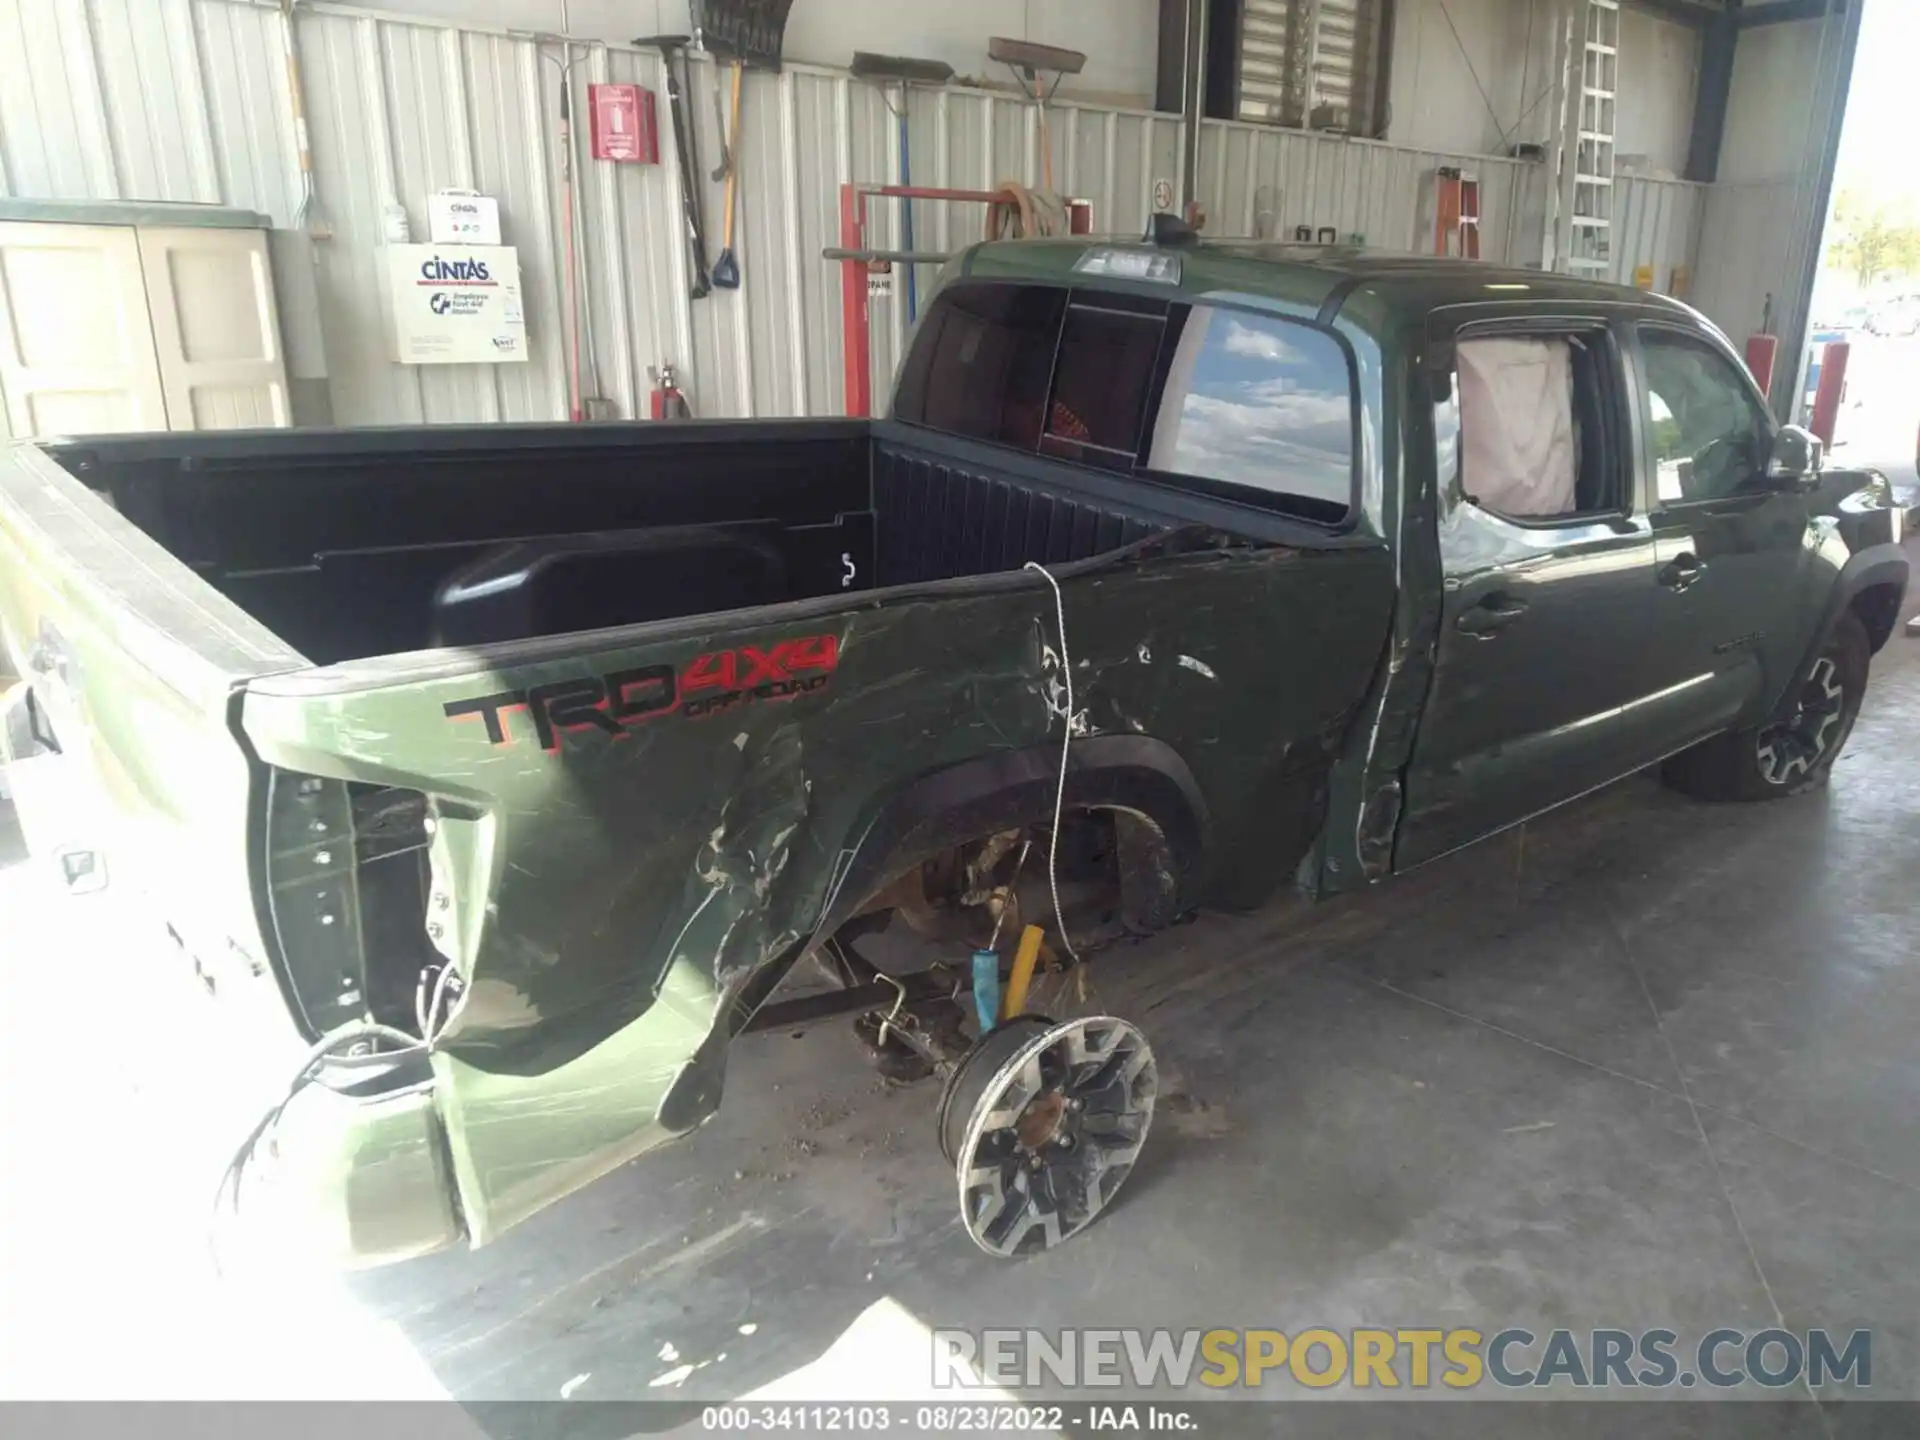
{"points": [[516, 767]]}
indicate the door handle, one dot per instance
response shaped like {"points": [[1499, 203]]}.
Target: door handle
{"points": [[1681, 571], [1493, 613]]}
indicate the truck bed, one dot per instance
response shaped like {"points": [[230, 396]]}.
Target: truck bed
{"points": [[357, 544], [615, 723]]}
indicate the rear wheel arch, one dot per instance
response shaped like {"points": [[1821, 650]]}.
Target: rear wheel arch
{"points": [[1129, 774]]}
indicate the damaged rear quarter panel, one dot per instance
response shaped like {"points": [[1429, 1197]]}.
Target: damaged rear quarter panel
{"points": [[608, 899]]}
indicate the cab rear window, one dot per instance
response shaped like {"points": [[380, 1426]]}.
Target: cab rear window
{"points": [[1248, 406], [981, 362]]}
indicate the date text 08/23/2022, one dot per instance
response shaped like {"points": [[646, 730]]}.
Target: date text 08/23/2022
{"points": [[951, 1419]]}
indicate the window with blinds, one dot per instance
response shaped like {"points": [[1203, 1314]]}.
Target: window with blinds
{"points": [[1310, 63]]}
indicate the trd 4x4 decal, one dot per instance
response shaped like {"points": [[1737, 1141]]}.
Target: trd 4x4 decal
{"points": [[614, 702]]}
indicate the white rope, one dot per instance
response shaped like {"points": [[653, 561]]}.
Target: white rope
{"points": [[1066, 746]]}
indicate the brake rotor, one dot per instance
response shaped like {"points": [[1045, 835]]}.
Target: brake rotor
{"points": [[1043, 1123]]}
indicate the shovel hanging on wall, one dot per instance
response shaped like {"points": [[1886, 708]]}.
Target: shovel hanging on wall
{"points": [[726, 270]]}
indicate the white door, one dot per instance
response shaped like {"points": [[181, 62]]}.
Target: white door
{"points": [[215, 328], [76, 348]]}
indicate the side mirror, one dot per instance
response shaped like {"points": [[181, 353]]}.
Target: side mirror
{"points": [[1795, 462]]}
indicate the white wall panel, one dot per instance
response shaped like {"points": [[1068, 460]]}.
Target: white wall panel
{"points": [[1770, 106], [397, 112], [242, 107], [1762, 224], [1745, 252], [1118, 36], [1477, 76], [188, 100], [1657, 223], [59, 144], [1467, 74], [1659, 76], [1357, 186]]}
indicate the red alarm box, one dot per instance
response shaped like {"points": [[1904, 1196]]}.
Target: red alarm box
{"points": [[624, 125]]}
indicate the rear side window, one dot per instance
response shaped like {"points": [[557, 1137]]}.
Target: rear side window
{"points": [[1259, 404], [1248, 406]]}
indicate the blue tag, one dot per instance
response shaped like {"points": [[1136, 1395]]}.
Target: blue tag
{"points": [[986, 988]]}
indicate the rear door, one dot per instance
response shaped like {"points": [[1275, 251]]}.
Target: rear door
{"points": [[1541, 686]]}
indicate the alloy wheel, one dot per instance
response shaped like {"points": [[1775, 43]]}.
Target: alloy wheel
{"points": [[1790, 748], [1054, 1133]]}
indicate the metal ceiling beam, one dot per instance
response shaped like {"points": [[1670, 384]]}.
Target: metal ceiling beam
{"points": [[1697, 13], [1753, 15], [1719, 39]]}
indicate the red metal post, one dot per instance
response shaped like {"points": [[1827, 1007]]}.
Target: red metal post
{"points": [[856, 341], [855, 319], [1833, 389], [1761, 351]]}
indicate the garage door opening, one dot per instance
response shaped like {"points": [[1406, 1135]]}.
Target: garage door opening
{"points": [[1866, 293]]}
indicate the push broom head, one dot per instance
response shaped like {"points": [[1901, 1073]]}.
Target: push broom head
{"points": [[1026, 56], [900, 69]]}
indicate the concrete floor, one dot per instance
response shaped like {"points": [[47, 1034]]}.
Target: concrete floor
{"points": [[1650, 1063]]}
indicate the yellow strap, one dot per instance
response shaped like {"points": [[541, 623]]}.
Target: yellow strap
{"points": [[1023, 962]]}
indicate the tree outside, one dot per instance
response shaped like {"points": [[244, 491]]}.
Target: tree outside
{"points": [[1873, 238]]}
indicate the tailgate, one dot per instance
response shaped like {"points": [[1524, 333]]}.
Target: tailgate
{"points": [[137, 668], [135, 665]]}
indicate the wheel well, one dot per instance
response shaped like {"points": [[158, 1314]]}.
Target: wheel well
{"points": [[1013, 789], [1878, 607], [1110, 845]]}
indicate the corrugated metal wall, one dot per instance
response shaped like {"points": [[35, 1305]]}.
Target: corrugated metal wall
{"points": [[1657, 223], [1762, 226], [1359, 187], [188, 100], [1384, 193], [1750, 246]]}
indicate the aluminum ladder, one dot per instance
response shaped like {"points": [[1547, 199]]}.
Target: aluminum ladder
{"points": [[1586, 199]]}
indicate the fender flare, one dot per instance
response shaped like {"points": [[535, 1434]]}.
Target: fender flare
{"points": [[1016, 787], [1883, 564]]}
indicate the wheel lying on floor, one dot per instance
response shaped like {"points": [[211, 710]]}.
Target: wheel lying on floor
{"points": [[1043, 1123]]}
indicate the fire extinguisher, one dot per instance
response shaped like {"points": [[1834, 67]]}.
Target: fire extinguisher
{"points": [[666, 401]]}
